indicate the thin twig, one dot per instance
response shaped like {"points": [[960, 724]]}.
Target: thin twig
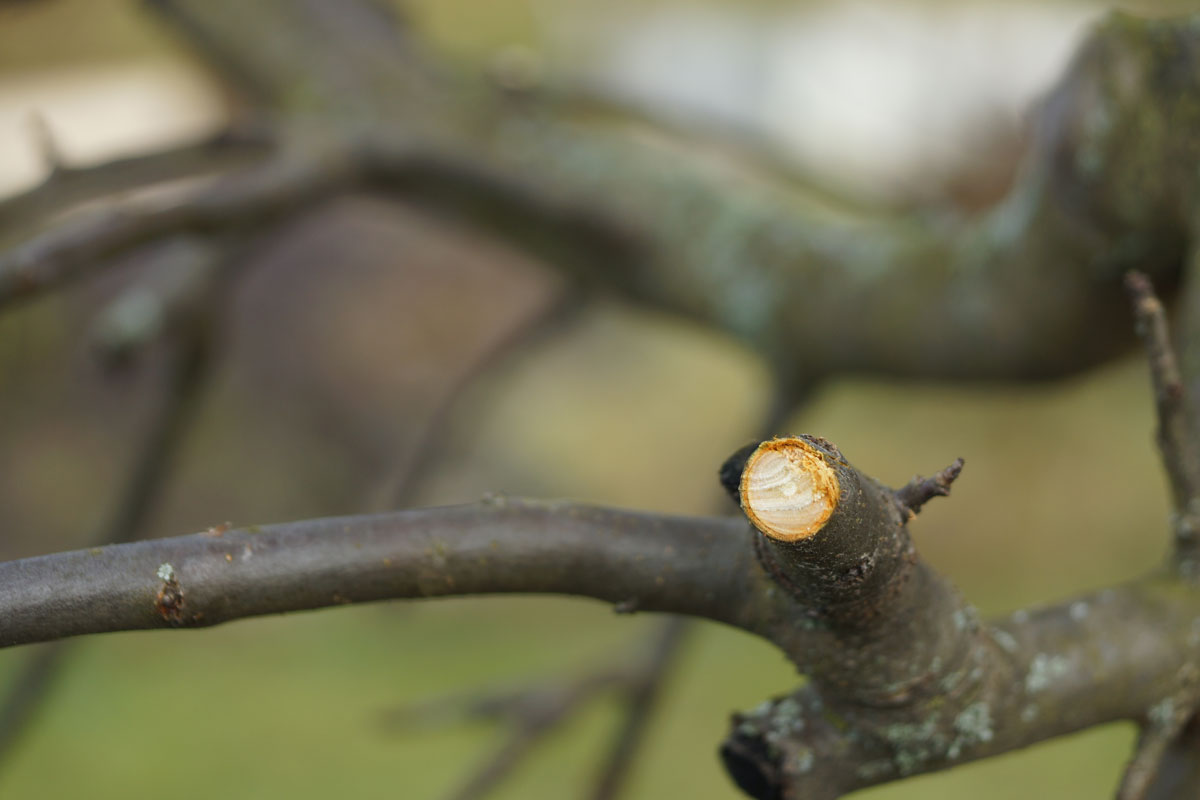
{"points": [[533, 712], [919, 491], [643, 695], [1177, 442], [405, 482], [539, 714], [530, 713]]}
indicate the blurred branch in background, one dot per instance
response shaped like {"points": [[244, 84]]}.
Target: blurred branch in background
{"points": [[533, 712]]}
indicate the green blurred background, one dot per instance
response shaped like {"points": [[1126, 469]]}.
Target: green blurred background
{"points": [[346, 337]]}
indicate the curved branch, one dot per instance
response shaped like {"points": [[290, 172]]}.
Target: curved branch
{"points": [[958, 690], [1027, 290], [644, 561]]}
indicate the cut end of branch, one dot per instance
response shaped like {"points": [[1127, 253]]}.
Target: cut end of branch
{"points": [[919, 491], [788, 490]]}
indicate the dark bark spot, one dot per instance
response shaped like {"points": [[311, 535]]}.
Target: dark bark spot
{"points": [[169, 601]]}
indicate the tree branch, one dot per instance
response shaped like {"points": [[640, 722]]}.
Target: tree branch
{"points": [[1024, 291], [1178, 443], [67, 186], [235, 203], [913, 495], [997, 688], [655, 563], [907, 680]]}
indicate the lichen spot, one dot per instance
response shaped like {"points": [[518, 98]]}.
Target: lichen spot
{"points": [[787, 489], [166, 573]]}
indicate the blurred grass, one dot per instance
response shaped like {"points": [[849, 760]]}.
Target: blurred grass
{"points": [[1061, 493]]}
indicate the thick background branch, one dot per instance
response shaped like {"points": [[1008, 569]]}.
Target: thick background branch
{"points": [[1027, 290]]}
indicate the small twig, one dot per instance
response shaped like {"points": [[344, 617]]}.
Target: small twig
{"points": [[403, 485], [533, 720], [1176, 440], [183, 381], [532, 713], [529, 712], [919, 491], [643, 694]]}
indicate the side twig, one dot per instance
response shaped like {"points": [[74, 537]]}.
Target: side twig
{"points": [[643, 693], [1177, 441]]}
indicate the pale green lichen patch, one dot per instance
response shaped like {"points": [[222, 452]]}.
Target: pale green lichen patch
{"points": [[166, 573], [914, 745], [1162, 713], [789, 714], [1004, 639], [801, 761], [1044, 670], [973, 726], [966, 618]]}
